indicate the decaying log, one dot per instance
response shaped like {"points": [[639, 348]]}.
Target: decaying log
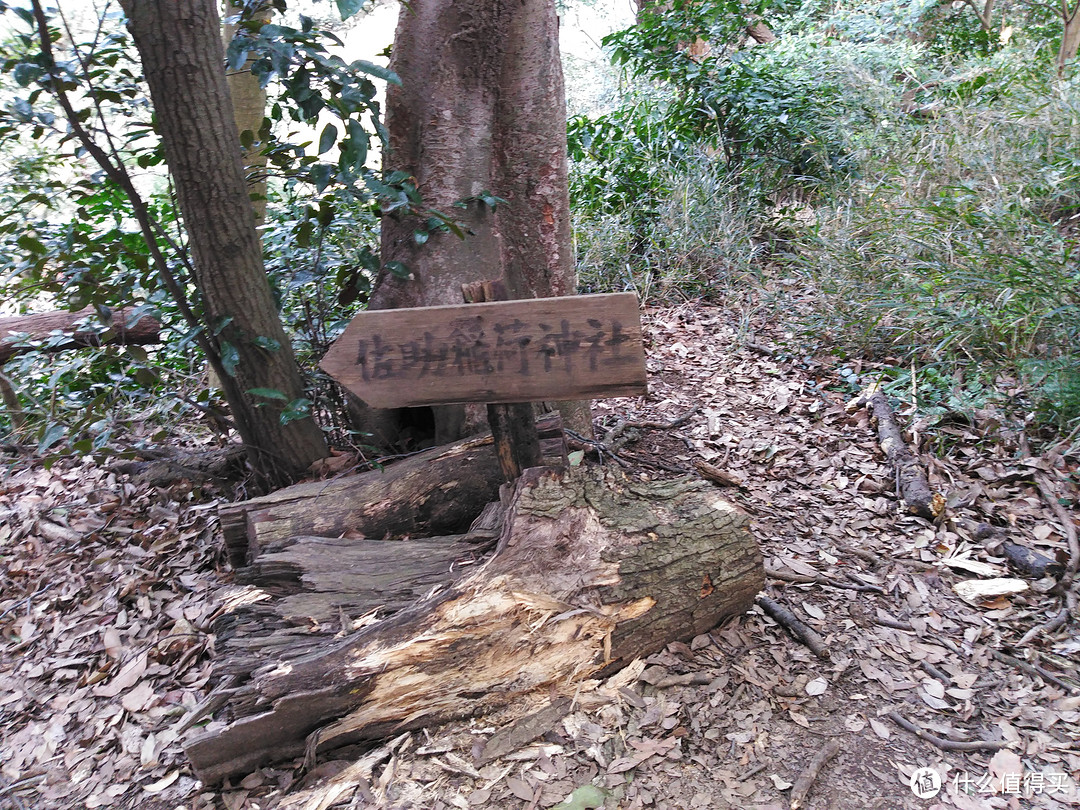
{"points": [[125, 329], [1025, 560], [435, 492], [591, 571], [911, 483]]}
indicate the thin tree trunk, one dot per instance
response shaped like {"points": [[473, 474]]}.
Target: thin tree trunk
{"points": [[249, 109], [1070, 37], [183, 59]]}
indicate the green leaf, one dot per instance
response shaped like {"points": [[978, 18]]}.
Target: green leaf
{"points": [[230, 358], [328, 138], [378, 71], [267, 393], [397, 269], [297, 409], [586, 797], [267, 343], [347, 8], [53, 434], [576, 458], [25, 73]]}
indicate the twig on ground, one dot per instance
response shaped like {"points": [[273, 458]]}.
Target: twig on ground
{"points": [[1055, 622], [786, 619], [1068, 579], [650, 424], [1035, 669], [895, 625], [805, 782], [935, 673], [941, 742], [820, 579], [715, 474], [760, 348], [579, 442], [752, 772], [865, 556]]}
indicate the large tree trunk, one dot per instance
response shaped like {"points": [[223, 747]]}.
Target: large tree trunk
{"points": [[123, 330], [183, 59], [591, 571], [481, 110]]}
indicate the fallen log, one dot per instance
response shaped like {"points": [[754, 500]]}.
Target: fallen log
{"points": [[911, 483], [126, 329], [591, 570], [434, 492]]}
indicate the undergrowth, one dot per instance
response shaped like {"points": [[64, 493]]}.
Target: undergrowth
{"points": [[937, 238]]}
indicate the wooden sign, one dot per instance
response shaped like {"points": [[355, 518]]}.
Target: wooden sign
{"points": [[577, 347]]}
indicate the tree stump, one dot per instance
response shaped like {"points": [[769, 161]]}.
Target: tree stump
{"points": [[591, 570]]}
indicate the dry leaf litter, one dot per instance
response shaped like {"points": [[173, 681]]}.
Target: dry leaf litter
{"points": [[108, 589]]}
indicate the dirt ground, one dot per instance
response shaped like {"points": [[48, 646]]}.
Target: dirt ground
{"points": [[109, 588]]}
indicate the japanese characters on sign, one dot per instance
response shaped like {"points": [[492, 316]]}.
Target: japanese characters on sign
{"points": [[512, 351]]}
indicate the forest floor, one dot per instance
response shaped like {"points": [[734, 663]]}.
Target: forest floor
{"points": [[109, 588]]}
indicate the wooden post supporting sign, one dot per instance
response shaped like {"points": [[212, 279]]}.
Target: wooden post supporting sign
{"points": [[513, 424]]}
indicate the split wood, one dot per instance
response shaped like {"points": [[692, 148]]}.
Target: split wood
{"points": [[786, 619], [715, 474], [941, 742], [806, 779], [911, 482]]}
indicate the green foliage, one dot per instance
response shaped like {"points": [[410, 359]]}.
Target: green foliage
{"points": [[915, 177], [70, 236]]}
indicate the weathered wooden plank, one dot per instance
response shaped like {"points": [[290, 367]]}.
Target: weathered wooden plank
{"points": [[576, 347]]}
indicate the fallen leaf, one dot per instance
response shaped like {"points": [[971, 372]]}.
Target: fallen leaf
{"points": [[818, 686]]}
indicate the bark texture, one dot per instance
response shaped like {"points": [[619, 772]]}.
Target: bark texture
{"points": [[249, 109], [124, 330], [183, 59], [438, 491], [591, 571], [481, 110]]}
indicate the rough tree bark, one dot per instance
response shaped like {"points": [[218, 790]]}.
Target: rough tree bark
{"points": [[183, 59], [438, 491], [124, 330], [481, 110], [591, 570], [249, 109]]}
